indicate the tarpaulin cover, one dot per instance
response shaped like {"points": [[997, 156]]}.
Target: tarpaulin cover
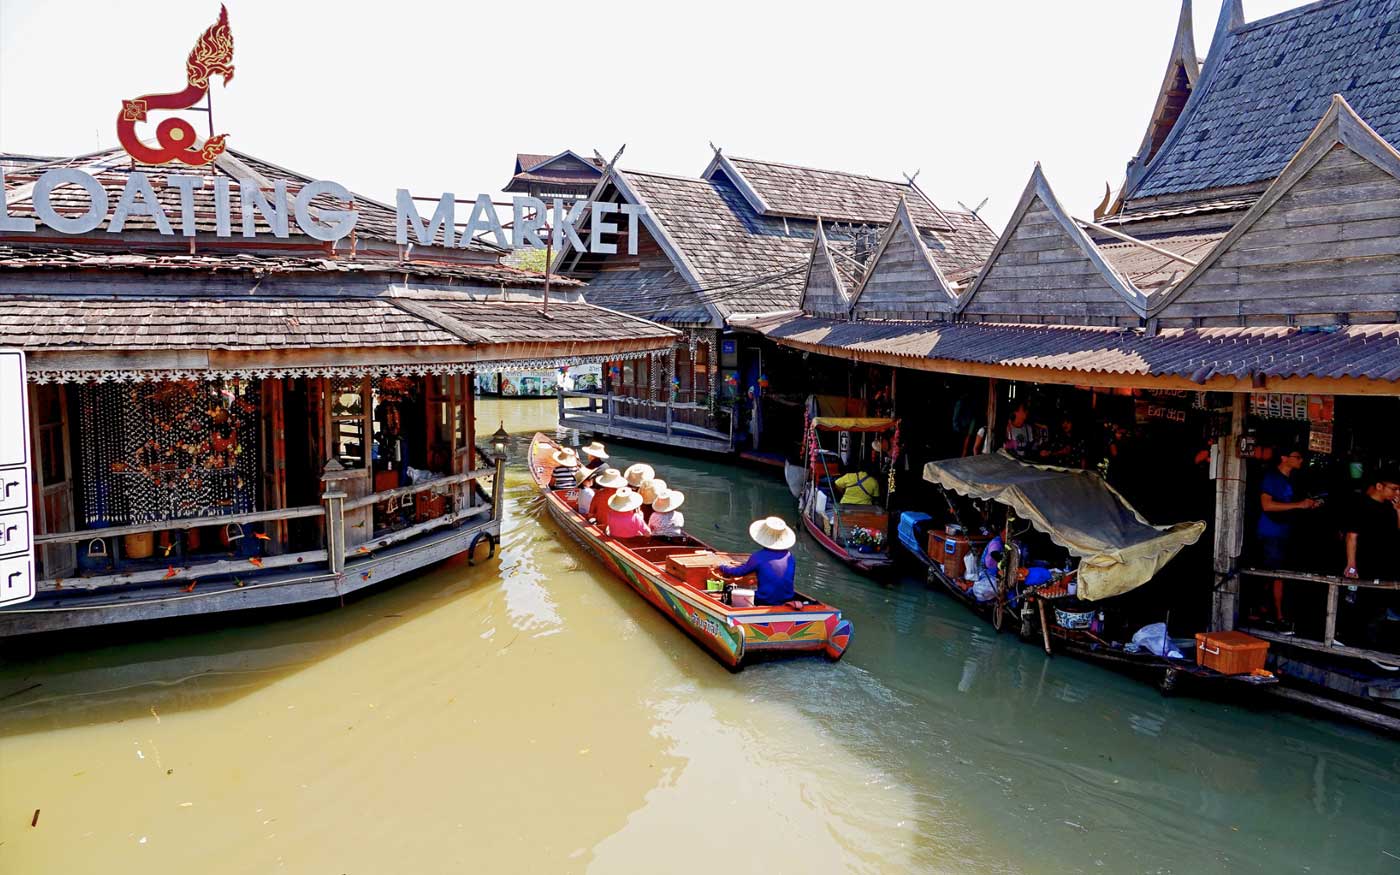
{"points": [[1118, 549], [853, 423]]}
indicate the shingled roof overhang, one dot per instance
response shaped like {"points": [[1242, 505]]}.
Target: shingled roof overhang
{"points": [[129, 338], [1358, 360]]}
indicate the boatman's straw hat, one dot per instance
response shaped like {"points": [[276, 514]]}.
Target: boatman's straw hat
{"points": [[650, 489], [595, 450], [635, 474], [625, 500], [668, 501], [611, 478], [773, 533], [566, 458]]}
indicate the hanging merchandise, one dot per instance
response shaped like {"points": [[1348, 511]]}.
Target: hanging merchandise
{"points": [[170, 450]]}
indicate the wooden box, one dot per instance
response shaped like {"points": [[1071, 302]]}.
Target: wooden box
{"points": [[428, 506], [696, 568], [693, 568], [952, 562], [1230, 652]]}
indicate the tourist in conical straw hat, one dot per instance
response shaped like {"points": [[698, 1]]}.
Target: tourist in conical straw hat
{"points": [[774, 564], [603, 486], [625, 515], [565, 474], [595, 452], [595, 455], [666, 518], [649, 489], [635, 474]]}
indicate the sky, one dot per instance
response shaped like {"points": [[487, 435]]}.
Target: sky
{"points": [[439, 96]]}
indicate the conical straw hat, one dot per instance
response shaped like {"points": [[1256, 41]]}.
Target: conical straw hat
{"points": [[773, 533], [635, 474], [650, 489], [611, 478], [668, 501], [624, 500], [566, 458], [595, 450]]}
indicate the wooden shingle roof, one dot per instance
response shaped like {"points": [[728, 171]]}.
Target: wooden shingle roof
{"points": [[1265, 84], [808, 192]]}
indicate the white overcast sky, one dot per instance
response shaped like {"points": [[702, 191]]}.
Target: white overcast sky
{"points": [[437, 96]]}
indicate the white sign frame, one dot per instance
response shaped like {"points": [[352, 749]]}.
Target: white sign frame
{"points": [[17, 582]]}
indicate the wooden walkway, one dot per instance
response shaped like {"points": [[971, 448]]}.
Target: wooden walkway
{"points": [[604, 416]]}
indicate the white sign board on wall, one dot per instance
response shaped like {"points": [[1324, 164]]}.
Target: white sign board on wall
{"points": [[16, 475]]}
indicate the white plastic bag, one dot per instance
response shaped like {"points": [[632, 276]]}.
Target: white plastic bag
{"points": [[1153, 638]]}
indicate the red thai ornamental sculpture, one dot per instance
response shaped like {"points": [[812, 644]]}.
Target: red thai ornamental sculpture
{"points": [[212, 56]]}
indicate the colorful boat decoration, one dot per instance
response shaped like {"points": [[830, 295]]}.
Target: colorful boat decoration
{"points": [[735, 635]]}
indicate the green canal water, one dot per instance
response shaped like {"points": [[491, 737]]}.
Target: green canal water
{"points": [[532, 715]]}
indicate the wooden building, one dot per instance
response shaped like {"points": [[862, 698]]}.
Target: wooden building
{"points": [[223, 423], [1250, 264], [566, 176], [737, 242]]}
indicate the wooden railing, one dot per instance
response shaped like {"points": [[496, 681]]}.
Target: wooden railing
{"points": [[469, 503], [624, 410], [1334, 586]]}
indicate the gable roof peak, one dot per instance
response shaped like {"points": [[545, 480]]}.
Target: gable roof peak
{"points": [[1038, 188]]}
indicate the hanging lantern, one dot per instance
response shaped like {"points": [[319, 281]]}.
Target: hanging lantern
{"points": [[499, 439]]}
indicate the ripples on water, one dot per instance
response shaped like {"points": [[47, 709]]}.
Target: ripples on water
{"points": [[534, 715]]}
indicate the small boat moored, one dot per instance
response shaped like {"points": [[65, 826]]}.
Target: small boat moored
{"points": [[855, 532], [671, 574]]}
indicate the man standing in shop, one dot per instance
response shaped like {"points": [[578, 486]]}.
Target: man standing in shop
{"points": [[1370, 525], [1275, 528]]}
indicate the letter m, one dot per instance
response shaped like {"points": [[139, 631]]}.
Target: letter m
{"points": [[444, 218]]}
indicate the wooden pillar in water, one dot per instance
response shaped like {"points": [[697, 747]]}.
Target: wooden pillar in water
{"points": [[1229, 519]]}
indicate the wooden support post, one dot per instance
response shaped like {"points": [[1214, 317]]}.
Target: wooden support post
{"points": [[1229, 519], [561, 404], [1329, 628], [333, 480], [989, 442], [498, 489], [612, 408], [669, 417]]}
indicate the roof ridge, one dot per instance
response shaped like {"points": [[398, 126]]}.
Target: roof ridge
{"points": [[904, 184]]}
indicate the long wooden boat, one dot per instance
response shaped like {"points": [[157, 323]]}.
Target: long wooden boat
{"points": [[734, 635]]}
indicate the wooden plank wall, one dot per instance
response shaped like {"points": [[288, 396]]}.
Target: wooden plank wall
{"points": [[821, 297], [1328, 251], [902, 284], [1042, 276]]}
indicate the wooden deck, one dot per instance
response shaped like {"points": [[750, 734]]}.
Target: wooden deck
{"points": [[604, 415], [226, 584]]}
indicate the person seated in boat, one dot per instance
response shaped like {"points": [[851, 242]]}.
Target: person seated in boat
{"points": [[649, 489], [625, 515], [774, 564], [667, 521], [858, 487], [638, 473], [565, 474], [603, 486], [595, 455]]}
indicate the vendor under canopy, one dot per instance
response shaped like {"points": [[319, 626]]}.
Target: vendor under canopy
{"points": [[1118, 549]]}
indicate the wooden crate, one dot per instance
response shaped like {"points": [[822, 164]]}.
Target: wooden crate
{"points": [[696, 568], [1230, 652]]}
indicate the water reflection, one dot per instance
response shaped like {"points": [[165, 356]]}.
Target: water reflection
{"points": [[534, 715]]}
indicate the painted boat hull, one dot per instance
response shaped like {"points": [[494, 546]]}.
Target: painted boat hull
{"points": [[732, 635], [867, 563]]}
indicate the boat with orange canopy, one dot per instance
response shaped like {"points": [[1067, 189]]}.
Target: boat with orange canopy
{"points": [[855, 533], [672, 575]]}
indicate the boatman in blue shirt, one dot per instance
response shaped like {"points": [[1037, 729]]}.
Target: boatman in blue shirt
{"points": [[774, 564], [1275, 528]]}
